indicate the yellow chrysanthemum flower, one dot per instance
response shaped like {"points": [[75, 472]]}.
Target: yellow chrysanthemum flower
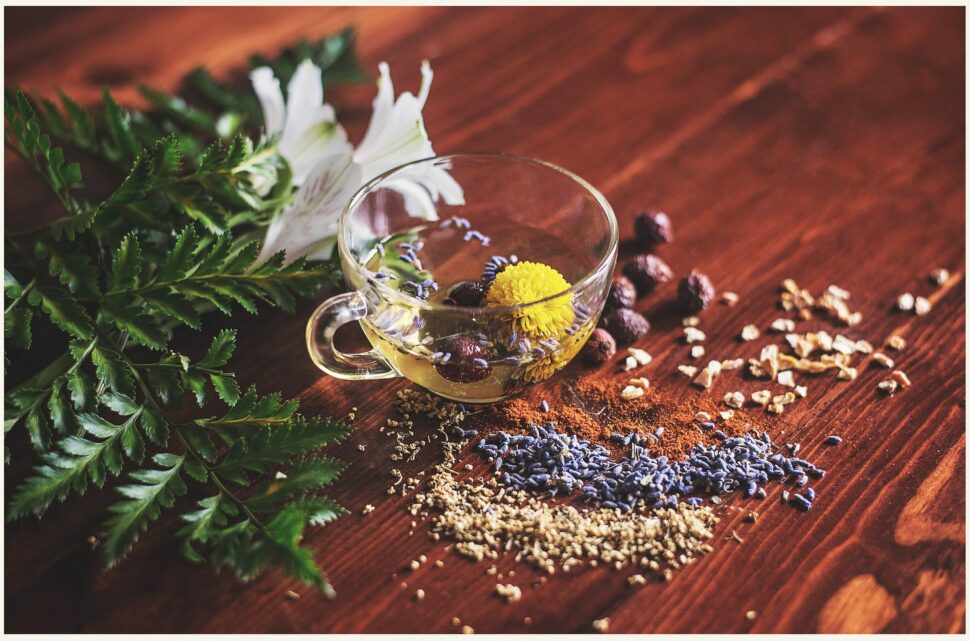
{"points": [[527, 282]]}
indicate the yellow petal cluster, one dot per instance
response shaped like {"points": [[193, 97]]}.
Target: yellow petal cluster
{"points": [[528, 282]]}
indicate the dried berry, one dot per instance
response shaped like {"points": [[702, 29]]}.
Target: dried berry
{"points": [[695, 292], [600, 347], [622, 293], [463, 360], [467, 293], [653, 228], [626, 325], [646, 271]]}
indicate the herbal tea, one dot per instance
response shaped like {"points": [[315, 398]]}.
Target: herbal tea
{"points": [[531, 324]]}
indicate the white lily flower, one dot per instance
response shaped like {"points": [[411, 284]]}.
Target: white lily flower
{"points": [[306, 126], [395, 136]]}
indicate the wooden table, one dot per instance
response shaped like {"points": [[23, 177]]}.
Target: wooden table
{"points": [[821, 144]]}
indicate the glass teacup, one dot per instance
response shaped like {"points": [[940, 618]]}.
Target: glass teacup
{"points": [[450, 303]]}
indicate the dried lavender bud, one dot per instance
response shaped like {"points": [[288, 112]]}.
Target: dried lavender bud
{"points": [[599, 348], [467, 293], [646, 271], [695, 292], [467, 361], [622, 293], [653, 228], [626, 325]]}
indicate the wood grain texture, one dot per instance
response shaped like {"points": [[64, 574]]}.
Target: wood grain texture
{"points": [[821, 144]]}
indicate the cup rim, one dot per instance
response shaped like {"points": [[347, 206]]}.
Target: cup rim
{"points": [[392, 294]]}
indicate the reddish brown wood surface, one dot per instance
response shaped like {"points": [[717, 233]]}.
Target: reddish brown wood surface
{"points": [[821, 144]]}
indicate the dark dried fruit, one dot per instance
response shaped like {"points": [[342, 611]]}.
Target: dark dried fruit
{"points": [[599, 348], [646, 271], [695, 292], [653, 228], [467, 362], [622, 293], [467, 293], [626, 325]]}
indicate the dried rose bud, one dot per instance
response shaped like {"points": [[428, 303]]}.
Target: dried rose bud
{"points": [[626, 325], [653, 228], [622, 293], [695, 292], [467, 293], [599, 348], [467, 361], [647, 271]]}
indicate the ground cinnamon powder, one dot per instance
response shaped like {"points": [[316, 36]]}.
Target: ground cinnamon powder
{"points": [[590, 407]]}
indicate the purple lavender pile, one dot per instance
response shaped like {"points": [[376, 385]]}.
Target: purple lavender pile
{"points": [[546, 460]]}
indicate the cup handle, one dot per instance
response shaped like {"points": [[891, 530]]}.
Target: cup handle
{"points": [[322, 326]]}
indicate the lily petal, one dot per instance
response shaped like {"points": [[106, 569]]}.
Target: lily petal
{"points": [[267, 89]]}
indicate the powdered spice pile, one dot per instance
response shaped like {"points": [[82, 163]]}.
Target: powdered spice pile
{"points": [[590, 407]]}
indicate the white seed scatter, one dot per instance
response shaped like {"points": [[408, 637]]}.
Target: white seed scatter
{"points": [[367, 509], [889, 386], [467, 629], [751, 615], [939, 276], [602, 625], [749, 333], [629, 364], [687, 370], [734, 363], [801, 390], [847, 374], [641, 356], [702, 417], [511, 593], [697, 351], [694, 335], [782, 325], [729, 298], [761, 397], [922, 306], [726, 415], [419, 594], [883, 360], [636, 579], [707, 375], [690, 321], [905, 302]]}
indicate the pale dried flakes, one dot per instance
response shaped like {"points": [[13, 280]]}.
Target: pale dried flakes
{"points": [[775, 408], [844, 345], [292, 596], [905, 302], [697, 351], [786, 378], [631, 392], [629, 364], [751, 615], [602, 625], [734, 399], [419, 595], [642, 356], [896, 342], [847, 374], [838, 292], [784, 399], [789, 285], [636, 579], [922, 306], [729, 298], [888, 386], [761, 397], [801, 391], [702, 417], [864, 347], [853, 319], [900, 377], [939, 276], [467, 629], [749, 333], [687, 370], [641, 382], [367, 509], [690, 321], [694, 335], [883, 360], [726, 415], [782, 325]]}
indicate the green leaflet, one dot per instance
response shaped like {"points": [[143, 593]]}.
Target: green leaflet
{"points": [[117, 277]]}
